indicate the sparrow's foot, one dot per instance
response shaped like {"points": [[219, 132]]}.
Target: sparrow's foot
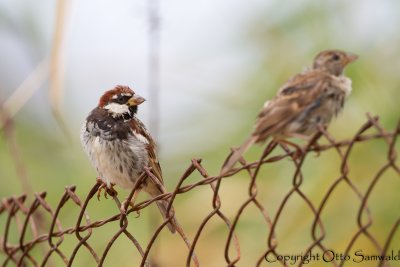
{"points": [[298, 150], [298, 153], [316, 149], [125, 205], [108, 190]]}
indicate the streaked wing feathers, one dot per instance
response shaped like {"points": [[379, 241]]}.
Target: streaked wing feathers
{"points": [[154, 164], [291, 100]]}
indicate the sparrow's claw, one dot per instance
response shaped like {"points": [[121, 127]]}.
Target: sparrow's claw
{"points": [[131, 204], [111, 191], [123, 204], [317, 153], [101, 187], [299, 152], [98, 193], [107, 190]]}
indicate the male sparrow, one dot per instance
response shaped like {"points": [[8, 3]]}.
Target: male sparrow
{"points": [[120, 147], [302, 103]]}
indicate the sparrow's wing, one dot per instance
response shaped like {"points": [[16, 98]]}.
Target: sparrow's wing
{"points": [[154, 163], [298, 95], [140, 130], [155, 189]]}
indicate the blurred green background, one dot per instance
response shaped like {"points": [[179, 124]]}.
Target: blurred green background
{"points": [[219, 62]]}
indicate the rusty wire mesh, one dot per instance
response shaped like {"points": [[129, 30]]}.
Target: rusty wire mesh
{"points": [[22, 234]]}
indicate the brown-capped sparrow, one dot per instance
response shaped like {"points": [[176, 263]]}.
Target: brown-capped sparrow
{"points": [[120, 147], [305, 101]]}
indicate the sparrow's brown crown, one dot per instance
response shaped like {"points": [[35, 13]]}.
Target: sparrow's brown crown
{"points": [[333, 61], [112, 95]]}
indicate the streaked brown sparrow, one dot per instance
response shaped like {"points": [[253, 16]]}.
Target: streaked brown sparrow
{"points": [[120, 147], [302, 103]]}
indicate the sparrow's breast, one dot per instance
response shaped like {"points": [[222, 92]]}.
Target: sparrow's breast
{"points": [[117, 160], [344, 84]]}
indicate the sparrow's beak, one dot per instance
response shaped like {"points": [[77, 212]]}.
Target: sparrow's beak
{"points": [[350, 58], [136, 100]]}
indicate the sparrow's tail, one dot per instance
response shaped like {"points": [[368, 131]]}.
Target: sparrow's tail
{"points": [[235, 156], [173, 225], [163, 207]]}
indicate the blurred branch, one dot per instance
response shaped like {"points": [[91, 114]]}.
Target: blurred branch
{"points": [[46, 69], [154, 66], [56, 79], [20, 167], [25, 91], [154, 83], [9, 135]]}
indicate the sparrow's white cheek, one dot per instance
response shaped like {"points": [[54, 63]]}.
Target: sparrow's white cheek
{"points": [[117, 108]]}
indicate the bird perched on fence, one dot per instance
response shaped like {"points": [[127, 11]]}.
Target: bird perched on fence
{"points": [[120, 147], [302, 103]]}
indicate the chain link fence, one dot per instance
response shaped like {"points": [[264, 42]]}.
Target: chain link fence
{"points": [[33, 234]]}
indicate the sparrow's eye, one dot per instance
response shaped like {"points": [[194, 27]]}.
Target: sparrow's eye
{"points": [[335, 57], [122, 99]]}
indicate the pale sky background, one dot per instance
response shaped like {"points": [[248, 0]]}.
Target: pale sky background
{"points": [[203, 51], [108, 45]]}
